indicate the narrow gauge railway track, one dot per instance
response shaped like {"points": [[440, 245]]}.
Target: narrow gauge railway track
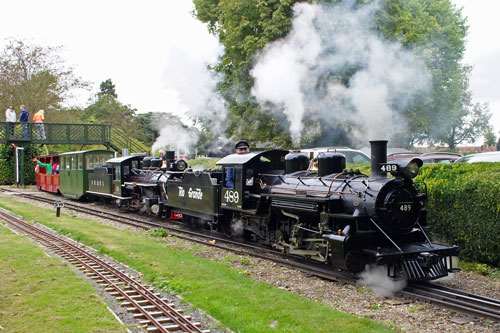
{"points": [[455, 300], [158, 315]]}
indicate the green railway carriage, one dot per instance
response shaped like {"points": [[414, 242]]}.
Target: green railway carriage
{"points": [[75, 168], [109, 180]]}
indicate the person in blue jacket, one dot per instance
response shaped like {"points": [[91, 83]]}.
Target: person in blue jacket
{"points": [[241, 147], [24, 118]]}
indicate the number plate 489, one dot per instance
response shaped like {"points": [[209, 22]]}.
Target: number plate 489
{"points": [[232, 196]]}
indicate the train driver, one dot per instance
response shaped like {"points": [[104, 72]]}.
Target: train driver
{"points": [[241, 147]]}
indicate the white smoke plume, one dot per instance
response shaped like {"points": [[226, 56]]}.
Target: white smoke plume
{"points": [[174, 137], [301, 74], [376, 278], [190, 82]]}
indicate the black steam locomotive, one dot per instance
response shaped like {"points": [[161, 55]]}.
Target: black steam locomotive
{"points": [[316, 209], [331, 215]]}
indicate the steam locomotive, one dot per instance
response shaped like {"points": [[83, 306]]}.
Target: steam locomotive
{"points": [[280, 199]]}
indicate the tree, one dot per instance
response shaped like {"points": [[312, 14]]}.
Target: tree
{"points": [[245, 27], [150, 123], [108, 110], [435, 30], [490, 138], [35, 76], [107, 89]]}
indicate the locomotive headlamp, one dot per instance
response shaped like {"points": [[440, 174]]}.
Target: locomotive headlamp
{"points": [[412, 169], [407, 168]]}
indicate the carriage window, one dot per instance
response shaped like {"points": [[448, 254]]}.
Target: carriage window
{"points": [[74, 160], [90, 162], [80, 162], [118, 173], [68, 162], [126, 171], [135, 164]]}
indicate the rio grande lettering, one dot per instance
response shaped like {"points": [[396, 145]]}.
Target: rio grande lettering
{"points": [[192, 194]]}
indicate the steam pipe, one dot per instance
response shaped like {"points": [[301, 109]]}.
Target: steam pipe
{"points": [[378, 156]]}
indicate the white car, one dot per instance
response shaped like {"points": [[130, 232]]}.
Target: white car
{"points": [[351, 155], [491, 156]]}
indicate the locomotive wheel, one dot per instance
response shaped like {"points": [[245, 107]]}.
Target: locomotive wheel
{"points": [[355, 261]]}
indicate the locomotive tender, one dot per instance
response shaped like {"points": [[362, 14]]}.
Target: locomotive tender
{"points": [[331, 215]]}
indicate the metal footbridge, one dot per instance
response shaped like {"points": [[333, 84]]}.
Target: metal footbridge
{"points": [[63, 133]]}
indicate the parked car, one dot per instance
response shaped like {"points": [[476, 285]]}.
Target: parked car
{"points": [[351, 155], [396, 156], [440, 157], [492, 156]]}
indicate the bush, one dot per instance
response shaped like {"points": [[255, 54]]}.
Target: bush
{"points": [[464, 207], [8, 162]]}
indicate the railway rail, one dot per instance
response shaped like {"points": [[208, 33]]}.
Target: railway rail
{"points": [[157, 314], [456, 300]]}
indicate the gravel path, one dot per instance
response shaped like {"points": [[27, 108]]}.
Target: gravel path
{"points": [[396, 313]]}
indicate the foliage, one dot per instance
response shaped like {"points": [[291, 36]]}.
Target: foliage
{"points": [[464, 207], [245, 27], [107, 89], [204, 164], [36, 77], [8, 162], [436, 31], [479, 268], [490, 138], [107, 109]]}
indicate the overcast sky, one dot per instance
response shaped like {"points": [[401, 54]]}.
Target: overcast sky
{"points": [[153, 49]]}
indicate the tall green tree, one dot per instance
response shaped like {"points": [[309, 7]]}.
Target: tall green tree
{"points": [[107, 109], [435, 30], [245, 27], [490, 137], [107, 89], [35, 76]]}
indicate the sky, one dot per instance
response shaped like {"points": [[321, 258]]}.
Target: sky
{"points": [[156, 53], [152, 50]]}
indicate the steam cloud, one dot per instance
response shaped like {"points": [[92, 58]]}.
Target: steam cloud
{"points": [[191, 84], [301, 74], [376, 278]]}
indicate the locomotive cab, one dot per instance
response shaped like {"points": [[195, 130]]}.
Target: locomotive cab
{"points": [[123, 167], [107, 180], [241, 187]]}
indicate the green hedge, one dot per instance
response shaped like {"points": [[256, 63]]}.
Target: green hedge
{"points": [[8, 161], [464, 207]]}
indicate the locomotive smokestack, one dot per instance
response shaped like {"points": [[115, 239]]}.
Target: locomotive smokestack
{"points": [[378, 155]]}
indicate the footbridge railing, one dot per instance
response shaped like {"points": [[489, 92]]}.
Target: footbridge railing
{"points": [[55, 133]]}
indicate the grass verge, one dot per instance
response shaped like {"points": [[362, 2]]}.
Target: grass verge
{"points": [[237, 301], [42, 294]]}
